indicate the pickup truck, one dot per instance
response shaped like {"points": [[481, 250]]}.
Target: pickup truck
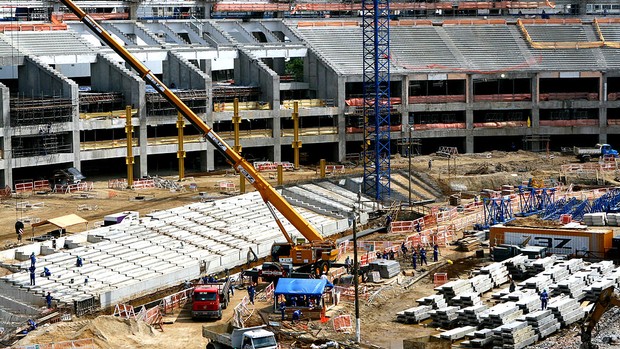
{"points": [[208, 300], [586, 154], [226, 336]]}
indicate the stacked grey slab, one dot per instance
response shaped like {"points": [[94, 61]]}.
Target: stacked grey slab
{"points": [[482, 338], [482, 283], [556, 273], [595, 219], [414, 315], [514, 335], [500, 314], [501, 293], [566, 310], [497, 271], [594, 291], [572, 286], [538, 266], [466, 300], [529, 304], [543, 322], [602, 267], [457, 333], [572, 265], [517, 295], [386, 268], [516, 266], [444, 317], [471, 315], [538, 283], [613, 219], [454, 288], [436, 301]]}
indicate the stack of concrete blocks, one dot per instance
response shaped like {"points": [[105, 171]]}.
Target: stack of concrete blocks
{"points": [[500, 314], [572, 286], [538, 266], [482, 283], [594, 290], [482, 338], [444, 317], [386, 268], [595, 219], [613, 219], [471, 315], [529, 303], [543, 322], [566, 310], [573, 265], [457, 333], [466, 300], [454, 288], [538, 283], [557, 273], [414, 315], [517, 295], [497, 271], [517, 266], [514, 335], [497, 295], [436, 301]]}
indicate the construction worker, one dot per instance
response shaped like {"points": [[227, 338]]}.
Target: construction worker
{"points": [[32, 269], [33, 259], [283, 309], [19, 230], [78, 261], [392, 254], [48, 300], [403, 249], [414, 258], [297, 315], [347, 264], [430, 164], [388, 222], [46, 272], [423, 256], [435, 252], [544, 298], [251, 293], [512, 287]]}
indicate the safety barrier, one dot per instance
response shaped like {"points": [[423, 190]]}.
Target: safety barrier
{"points": [[241, 313], [272, 166], [440, 279], [348, 293], [177, 300], [24, 187], [267, 293], [342, 323], [42, 185], [124, 310], [225, 186], [367, 259], [152, 316], [117, 183], [143, 184], [334, 169]]}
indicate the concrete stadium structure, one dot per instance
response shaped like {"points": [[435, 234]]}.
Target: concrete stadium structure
{"points": [[474, 84], [141, 255]]}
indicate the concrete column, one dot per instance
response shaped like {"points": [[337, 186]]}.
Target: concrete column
{"points": [[469, 113], [210, 157], [535, 117], [75, 132], [602, 111], [341, 121], [133, 10], [405, 103], [469, 144], [277, 135], [6, 135]]}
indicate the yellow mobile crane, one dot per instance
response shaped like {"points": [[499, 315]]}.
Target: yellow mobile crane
{"points": [[318, 250], [606, 300]]}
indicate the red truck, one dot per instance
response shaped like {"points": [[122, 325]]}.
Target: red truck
{"points": [[208, 300]]}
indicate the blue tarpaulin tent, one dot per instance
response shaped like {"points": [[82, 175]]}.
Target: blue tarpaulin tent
{"points": [[300, 287]]}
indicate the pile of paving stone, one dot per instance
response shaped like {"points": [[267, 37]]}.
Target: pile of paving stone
{"points": [[500, 314], [543, 322], [414, 315], [470, 316], [436, 301], [514, 335], [444, 317], [566, 310]]}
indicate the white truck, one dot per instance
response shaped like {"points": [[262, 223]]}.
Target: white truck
{"points": [[226, 336], [585, 154]]}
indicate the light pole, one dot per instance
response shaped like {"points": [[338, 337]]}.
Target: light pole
{"points": [[358, 323], [409, 153]]}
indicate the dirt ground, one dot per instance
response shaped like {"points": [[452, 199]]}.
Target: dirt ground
{"points": [[468, 173]]}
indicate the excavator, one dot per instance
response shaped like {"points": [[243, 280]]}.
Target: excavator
{"points": [[317, 251], [606, 300]]}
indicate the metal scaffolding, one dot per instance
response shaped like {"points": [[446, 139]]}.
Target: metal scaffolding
{"points": [[28, 111]]}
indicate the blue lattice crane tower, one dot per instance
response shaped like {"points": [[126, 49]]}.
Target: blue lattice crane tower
{"points": [[376, 89]]}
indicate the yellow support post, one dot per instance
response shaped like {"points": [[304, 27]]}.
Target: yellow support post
{"points": [[236, 120], [296, 141], [181, 151], [280, 175], [129, 158], [322, 168]]}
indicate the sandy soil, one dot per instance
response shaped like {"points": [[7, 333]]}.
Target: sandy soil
{"points": [[488, 170]]}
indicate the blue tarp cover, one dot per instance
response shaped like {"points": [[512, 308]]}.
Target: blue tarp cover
{"points": [[309, 287]]}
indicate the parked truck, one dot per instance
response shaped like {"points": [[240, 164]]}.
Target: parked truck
{"points": [[226, 336], [208, 300], [600, 150]]}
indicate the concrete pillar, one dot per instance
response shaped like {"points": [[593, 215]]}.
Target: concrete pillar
{"points": [[535, 117], [277, 135], [405, 103], [341, 121], [75, 126], [279, 66], [210, 155], [133, 10], [6, 135], [602, 110], [469, 144]]}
